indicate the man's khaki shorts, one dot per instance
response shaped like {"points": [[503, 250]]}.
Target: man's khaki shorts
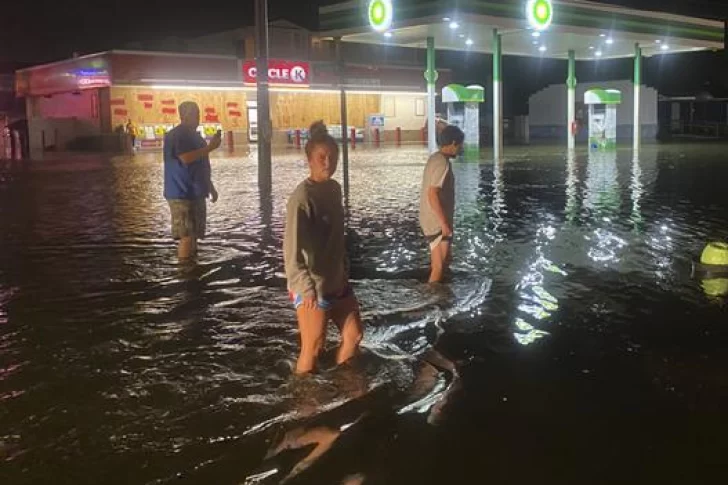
{"points": [[189, 218]]}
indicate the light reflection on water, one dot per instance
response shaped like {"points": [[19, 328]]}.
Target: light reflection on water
{"points": [[109, 355]]}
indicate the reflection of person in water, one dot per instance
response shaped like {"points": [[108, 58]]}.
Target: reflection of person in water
{"points": [[300, 453], [315, 256]]}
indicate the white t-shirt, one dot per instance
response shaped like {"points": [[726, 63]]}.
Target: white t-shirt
{"points": [[438, 173]]}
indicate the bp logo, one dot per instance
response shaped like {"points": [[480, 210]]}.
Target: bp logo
{"points": [[540, 13], [380, 14]]}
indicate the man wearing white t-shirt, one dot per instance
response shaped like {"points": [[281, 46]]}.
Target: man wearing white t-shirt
{"points": [[437, 200]]}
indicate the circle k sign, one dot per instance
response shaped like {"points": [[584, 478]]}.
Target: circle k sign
{"points": [[288, 73]]}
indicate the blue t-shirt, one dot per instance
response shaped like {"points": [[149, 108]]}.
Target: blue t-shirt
{"points": [[185, 181]]}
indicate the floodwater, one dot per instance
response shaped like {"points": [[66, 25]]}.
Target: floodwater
{"points": [[586, 351]]}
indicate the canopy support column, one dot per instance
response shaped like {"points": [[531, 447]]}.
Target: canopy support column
{"points": [[637, 131], [431, 77], [571, 101], [497, 98]]}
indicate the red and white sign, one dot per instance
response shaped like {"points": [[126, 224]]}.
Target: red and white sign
{"points": [[280, 73]]}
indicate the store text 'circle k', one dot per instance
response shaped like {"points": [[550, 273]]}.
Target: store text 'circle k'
{"points": [[281, 73]]}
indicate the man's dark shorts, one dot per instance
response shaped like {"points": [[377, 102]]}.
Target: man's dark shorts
{"points": [[189, 218]]}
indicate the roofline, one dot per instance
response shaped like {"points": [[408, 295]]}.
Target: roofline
{"points": [[127, 52], [341, 19], [63, 61], [171, 54], [338, 7], [646, 13]]}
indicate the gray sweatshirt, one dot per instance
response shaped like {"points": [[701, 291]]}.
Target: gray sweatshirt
{"points": [[314, 249]]}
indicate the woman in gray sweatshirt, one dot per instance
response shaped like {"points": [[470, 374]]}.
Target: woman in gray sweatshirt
{"points": [[315, 256]]}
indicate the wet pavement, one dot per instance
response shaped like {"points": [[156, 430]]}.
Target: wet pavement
{"points": [[586, 351]]}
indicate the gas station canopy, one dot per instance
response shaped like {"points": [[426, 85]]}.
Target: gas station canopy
{"points": [[592, 30]]}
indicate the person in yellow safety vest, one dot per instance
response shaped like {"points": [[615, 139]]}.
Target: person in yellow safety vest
{"points": [[131, 132]]}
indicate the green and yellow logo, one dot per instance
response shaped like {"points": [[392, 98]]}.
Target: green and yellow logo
{"points": [[540, 13], [380, 14]]}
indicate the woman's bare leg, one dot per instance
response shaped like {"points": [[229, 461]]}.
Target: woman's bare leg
{"points": [[312, 327], [345, 315]]}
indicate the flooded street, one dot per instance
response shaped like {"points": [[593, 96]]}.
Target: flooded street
{"points": [[587, 352]]}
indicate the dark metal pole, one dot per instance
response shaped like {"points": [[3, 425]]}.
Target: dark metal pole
{"points": [[344, 127], [265, 174]]}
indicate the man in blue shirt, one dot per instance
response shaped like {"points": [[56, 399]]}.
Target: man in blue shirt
{"points": [[187, 179]]}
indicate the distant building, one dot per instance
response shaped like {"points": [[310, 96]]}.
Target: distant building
{"points": [[83, 100], [547, 111]]}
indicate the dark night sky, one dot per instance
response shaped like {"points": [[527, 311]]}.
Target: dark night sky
{"points": [[43, 30]]}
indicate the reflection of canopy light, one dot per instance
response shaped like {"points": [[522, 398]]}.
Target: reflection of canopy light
{"points": [[380, 14], [539, 13]]}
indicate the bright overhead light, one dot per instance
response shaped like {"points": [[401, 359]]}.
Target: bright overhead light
{"points": [[446, 19], [598, 53], [602, 35], [454, 25], [658, 41], [664, 47], [387, 35], [591, 47], [535, 42], [609, 41], [536, 34], [462, 36], [542, 48], [469, 42]]}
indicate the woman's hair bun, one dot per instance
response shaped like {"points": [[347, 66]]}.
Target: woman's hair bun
{"points": [[318, 129]]}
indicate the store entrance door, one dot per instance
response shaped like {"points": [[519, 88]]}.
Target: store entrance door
{"points": [[252, 124]]}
